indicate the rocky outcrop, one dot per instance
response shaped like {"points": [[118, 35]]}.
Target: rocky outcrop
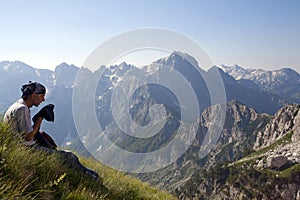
{"points": [[288, 153], [239, 129], [273, 172], [287, 150], [283, 123]]}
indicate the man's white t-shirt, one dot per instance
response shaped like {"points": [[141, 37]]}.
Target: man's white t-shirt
{"points": [[18, 114]]}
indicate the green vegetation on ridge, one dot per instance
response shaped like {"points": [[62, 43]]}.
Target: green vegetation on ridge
{"points": [[260, 153]]}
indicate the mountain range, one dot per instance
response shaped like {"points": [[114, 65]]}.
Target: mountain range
{"points": [[284, 82], [261, 125]]}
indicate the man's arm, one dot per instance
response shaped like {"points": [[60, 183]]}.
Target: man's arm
{"points": [[29, 136], [24, 123]]}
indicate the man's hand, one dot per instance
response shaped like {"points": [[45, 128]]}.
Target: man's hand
{"points": [[36, 128]]}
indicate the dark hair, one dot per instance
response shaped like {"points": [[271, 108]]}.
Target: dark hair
{"points": [[32, 87]]}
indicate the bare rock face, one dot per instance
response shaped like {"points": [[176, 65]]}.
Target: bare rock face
{"points": [[296, 129], [258, 176], [284, 121]]}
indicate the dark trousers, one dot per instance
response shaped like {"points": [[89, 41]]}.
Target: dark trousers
{"points": [[70, 159]]}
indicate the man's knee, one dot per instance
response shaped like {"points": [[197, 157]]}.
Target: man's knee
{"points": [[68, 155]]}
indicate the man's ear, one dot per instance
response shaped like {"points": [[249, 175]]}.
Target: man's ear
{"points": [[33, 96]]}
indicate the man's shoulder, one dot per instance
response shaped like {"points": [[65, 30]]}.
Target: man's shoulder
{"points": [[18, 106]]}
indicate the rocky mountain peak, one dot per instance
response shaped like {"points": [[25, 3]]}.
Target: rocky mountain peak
{"points": [[178, 58], [60, 73], [65, 66], [233, 69], [15, 66], [238, 131], [241, 112], [236, 112]]}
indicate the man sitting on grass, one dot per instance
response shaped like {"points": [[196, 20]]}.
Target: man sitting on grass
{"points": [[18, 115]]}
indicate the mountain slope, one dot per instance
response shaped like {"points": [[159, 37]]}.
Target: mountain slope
{"points": [[271, 172], [268, 103], [236, 140]]}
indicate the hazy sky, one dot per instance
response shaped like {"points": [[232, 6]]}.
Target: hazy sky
{"points": [[251, 33]]}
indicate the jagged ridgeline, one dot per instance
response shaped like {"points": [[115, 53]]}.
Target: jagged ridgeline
{"points": [[261, 94]]}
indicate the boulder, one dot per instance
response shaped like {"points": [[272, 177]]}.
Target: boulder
{"points": [[276, 162]]}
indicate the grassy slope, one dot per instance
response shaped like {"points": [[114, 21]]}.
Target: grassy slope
{"points": [[28, 174]]}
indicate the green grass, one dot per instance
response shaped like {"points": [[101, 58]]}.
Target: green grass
{"points": [[292, 171], [29, 174], [122, 186]]}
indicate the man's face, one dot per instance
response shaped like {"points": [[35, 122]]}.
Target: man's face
{"points": [[37, 99]]}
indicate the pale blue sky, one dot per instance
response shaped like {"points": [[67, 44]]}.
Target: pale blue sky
{"points": [[252, 33]]}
